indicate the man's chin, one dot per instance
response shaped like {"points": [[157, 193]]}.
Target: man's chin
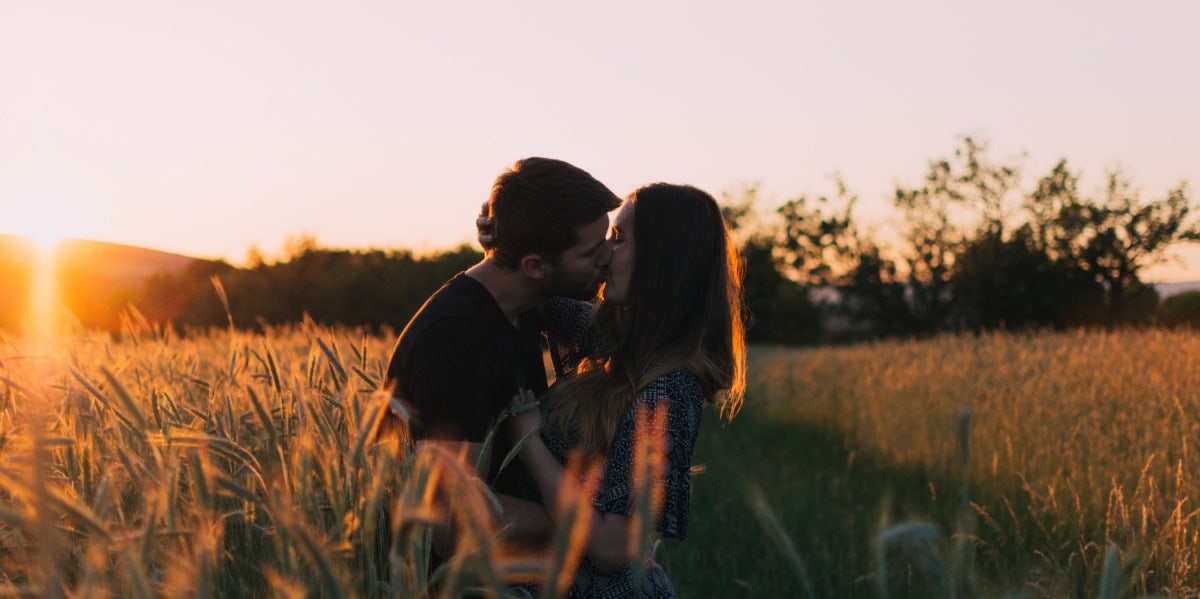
{"points": [[588, 295], [581, 293]]}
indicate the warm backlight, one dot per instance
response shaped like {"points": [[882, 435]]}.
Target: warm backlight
{"points": [[43, 241], [43, 224], [44, 301]]}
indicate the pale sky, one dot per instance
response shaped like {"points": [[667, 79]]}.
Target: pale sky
{"points": [[207, 127]]}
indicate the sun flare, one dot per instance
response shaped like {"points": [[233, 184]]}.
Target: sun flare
{"points": [[44, 300], [44, 288], [43, 241]]}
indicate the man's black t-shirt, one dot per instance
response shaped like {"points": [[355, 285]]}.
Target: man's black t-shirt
{"points": [[459, 362]]}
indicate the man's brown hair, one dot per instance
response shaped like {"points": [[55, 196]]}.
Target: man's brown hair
{"points": [[537, 205]]}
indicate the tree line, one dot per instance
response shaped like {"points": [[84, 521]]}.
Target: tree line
{"points": [[972, 251], [372, 289], [969, 249]]}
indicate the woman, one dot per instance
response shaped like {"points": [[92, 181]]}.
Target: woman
{"points": [[667, 332]]}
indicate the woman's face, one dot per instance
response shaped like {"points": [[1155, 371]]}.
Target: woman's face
{"points": [[620, 265]]}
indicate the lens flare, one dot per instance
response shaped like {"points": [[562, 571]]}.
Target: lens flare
{"points": [[44, 299]]}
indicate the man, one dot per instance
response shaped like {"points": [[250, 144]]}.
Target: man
{"points": [[475, 343]]}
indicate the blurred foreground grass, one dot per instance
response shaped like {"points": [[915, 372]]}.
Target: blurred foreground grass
{"points": [[240, 465]]}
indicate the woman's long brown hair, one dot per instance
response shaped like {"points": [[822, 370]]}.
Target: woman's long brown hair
{"points": [[684, 309]]}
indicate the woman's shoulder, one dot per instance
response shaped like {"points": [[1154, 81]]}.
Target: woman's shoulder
{"points": [[567, 319], [677, 384], [568, 305]]}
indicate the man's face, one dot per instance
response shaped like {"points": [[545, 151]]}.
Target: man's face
{"points": [[581, 269]]}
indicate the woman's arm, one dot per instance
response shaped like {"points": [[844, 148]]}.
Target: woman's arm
{"points": [[608, 536]]}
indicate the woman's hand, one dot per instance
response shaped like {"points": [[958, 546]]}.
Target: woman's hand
{"points": [[525, 416], [484, 229]]}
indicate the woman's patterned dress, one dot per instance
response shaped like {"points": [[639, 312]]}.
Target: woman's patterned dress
{"points": [[573, 336]]}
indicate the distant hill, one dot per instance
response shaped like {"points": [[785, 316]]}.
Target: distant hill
{"points": [[116, 263], [95, 278], [113, 262], [1166, 290]]}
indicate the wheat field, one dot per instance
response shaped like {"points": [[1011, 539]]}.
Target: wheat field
{"points": [[1077, 441], [223, 463]]}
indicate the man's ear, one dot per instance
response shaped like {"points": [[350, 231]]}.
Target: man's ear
{"points": [[534, 266]]}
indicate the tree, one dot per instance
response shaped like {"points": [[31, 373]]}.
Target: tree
{"points": [[781, 309], [875, 298], [1010, 283], [820, 244], [1114, 238], [816, 246], [959, 194], [373, 288], [1181, 310]]}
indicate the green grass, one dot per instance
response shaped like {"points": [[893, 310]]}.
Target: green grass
{"points": [[1081, 475], [230, 464], [828, 499]]}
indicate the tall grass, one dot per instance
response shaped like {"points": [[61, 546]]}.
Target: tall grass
{"points": [[237, 465], [1080, 440], [230, 464], [216, 464]]}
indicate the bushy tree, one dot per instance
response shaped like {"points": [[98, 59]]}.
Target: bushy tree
{"points": [[875, 298], [1112, 239], [820, 244], [962, 197], [819, 241], [1180, 310], [372, 288], [976, 252], [780, 307], [1011, 284]]}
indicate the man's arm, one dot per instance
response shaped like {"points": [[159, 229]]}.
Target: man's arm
{"points": [[530, 526]]}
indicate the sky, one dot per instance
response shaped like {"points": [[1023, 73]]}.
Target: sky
{"points": [[207, 128]]}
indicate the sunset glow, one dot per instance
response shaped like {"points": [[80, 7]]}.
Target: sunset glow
{"points": [[208, 128], [44, 301], [45, 220], [43, 242]]}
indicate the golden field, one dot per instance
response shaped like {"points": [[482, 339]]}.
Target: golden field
{"points": [[232, 464], [1077, 440]]}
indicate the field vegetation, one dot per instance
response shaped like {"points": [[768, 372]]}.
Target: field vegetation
{"points": [[231, 464], [1078, 442], [241, 465]]}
